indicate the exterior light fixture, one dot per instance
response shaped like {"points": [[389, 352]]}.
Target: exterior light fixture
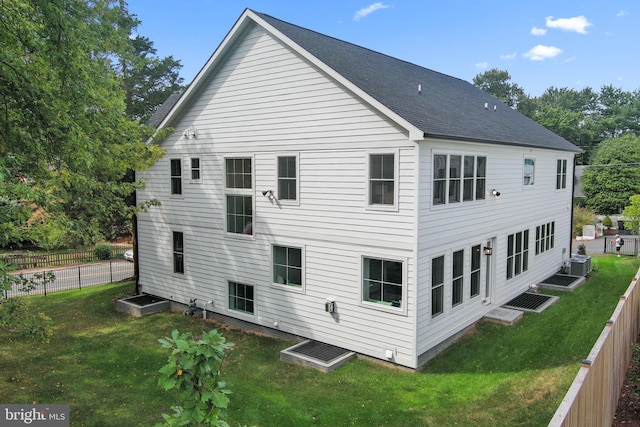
{"points": [[488, 251], [495, 193], [269, 194]]}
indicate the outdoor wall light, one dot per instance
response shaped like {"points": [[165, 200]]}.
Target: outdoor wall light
{"points": [[488, 251], [269, 193], [495, 193], [190, 133]]}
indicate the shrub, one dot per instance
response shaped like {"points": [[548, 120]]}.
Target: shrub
{"points": [[102, 252], [607, 222], [581, 217]]}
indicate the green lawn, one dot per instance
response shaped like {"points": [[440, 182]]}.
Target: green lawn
{"points": [[104, 365]]}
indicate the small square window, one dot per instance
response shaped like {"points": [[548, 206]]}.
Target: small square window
{"points": [[287, 266], [382, 281], [241, 298]]}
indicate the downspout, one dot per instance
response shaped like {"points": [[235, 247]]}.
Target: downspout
{"points": [[135, 239], [573, 193]]}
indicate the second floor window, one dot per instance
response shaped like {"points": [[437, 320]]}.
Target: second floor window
{"points": [[382, 179], [529, 171], [176, 176], [458, 178], [287, 178], [195, 169], [239, 195], [561, 174]]}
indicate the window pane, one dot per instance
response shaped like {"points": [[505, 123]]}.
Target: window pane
{"points": [[469, 166], [455, 166], [440, 167]]}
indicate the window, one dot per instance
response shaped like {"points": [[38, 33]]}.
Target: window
{"points": [[178, 252], [176, 176], [287, 266], [437, 286], [287, 178], [458, 178], [241, 297], [195, 169], [529, 171], [561, 174], [381, 179], [239, 195], [475, 271], [457, 274], [517, 253], [545, 237], [382, 281]]}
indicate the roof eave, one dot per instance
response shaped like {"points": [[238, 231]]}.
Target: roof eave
{"points": [[495, 142]]}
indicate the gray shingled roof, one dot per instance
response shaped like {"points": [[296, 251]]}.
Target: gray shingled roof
{"points": [[447, 107], [162, 111]]}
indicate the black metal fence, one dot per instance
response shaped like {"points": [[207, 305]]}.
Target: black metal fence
{"points": [[631, 245], [63, 279], [27, 260]]}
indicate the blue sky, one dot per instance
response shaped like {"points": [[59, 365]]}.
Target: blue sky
{"points": [[541, 43]]}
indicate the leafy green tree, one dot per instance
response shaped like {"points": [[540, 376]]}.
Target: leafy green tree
{"points": [[498, 83], [613, 175], [631, 214], [67, 140], [193, 371], [619, 112], [581, 216]]}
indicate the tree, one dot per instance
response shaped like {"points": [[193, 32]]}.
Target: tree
{"points": [[498, 83], [613, 175], [631, 214], [67, 140]]}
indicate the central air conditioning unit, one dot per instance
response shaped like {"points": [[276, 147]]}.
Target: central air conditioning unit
{"points": [[580, 265]]}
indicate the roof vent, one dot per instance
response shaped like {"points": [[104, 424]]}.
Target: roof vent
{"points": [[486, 105], [419, 89]]}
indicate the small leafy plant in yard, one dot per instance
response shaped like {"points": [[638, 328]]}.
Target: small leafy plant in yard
{"points": [[193, 371], [102, 252]]}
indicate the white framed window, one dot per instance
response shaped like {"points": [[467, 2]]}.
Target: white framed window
{"points": [[288, 266], [241, 297], [437, 286], [382, 191], [239, 195], [476, 256], [545, 237], [458, 178], [561, 174], [517, 253], [457, 278], [528, 171], [176, 176], [288, 169], [178, 252], [383, 281], [196, 171]]}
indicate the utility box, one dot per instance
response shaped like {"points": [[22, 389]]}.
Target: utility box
{"points": [[580, 265]]}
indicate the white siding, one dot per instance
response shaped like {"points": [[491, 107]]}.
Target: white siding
{"points": [[444, 229], [262, 102]]}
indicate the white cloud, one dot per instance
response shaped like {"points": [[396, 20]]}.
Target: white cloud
{"points": [[622, 13], [538, 31], [508, 56], [541, 52], [482, 65], [577, 24], [364, 12]]}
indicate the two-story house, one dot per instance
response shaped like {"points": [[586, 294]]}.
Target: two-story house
{"points": [[305, 170]]}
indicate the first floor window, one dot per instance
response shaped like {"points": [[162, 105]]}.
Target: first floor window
{"points": [[382, 281], [241, 297], [545, 237], [176, 176], [517, 253], [475, 271], [437, 286], [178, 252], [381, 179], [457, 275], [287, 266]]}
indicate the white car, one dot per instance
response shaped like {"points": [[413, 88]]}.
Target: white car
{"points": [[129, 255]]}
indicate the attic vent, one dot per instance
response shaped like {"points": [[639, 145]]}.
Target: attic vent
{"points": [[419, 89]]}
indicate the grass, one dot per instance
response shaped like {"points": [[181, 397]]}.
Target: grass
{"points": [[104, 365]]}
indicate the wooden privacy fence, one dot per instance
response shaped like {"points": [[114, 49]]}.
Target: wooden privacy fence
{"points": [[28, 260], [593, 397]]}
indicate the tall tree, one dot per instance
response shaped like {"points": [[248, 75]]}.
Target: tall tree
{"points": [[66, 140], [498, 83], [614, 174]]}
